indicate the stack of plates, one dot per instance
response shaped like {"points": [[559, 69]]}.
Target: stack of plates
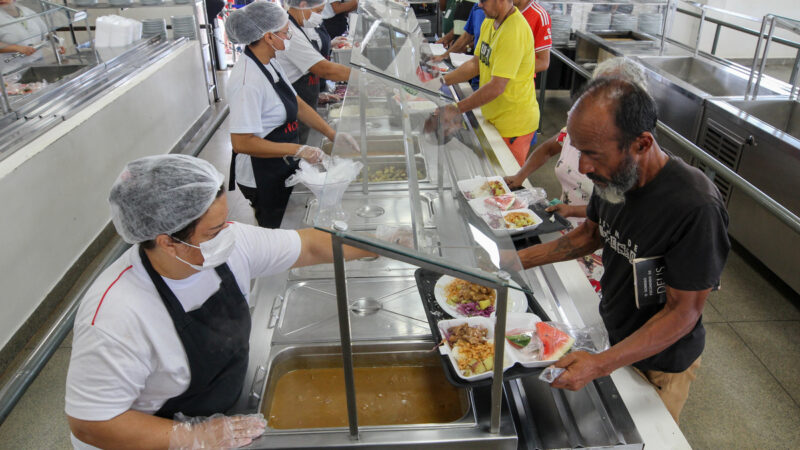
{"points": [[120, 2], [85, 2], [182, 2], [154, 27], [650, 23], [152, 2], [598, 21], [183, 26], [624, 22], [560, 27]]}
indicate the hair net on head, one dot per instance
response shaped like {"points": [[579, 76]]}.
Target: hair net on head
{"points": [[309, 3], [252, 22], [161, 195]]}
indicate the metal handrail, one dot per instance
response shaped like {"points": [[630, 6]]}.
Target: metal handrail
{"points": [[718, 169], [740, 28]]}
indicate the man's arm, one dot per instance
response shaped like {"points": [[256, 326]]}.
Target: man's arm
{"points": [[579, 242], [330, 71], [316, 248], [458, 47], [308, 116], [542, 60], [466, 72], [678, 317], [485, 94]]}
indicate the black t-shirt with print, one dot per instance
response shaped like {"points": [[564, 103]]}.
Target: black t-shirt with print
{"points": [[679, 215]]}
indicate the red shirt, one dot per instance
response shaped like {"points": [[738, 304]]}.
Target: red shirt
{"points": [[539, 21]]}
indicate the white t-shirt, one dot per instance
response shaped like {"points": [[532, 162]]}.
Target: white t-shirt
{"points": [[255, 107], [28, 32], [126, 353], [327, 11], [576, 188], [302, 54]]}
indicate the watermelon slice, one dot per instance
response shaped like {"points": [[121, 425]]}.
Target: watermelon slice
{"points": [[503, 202], [555, 343]]}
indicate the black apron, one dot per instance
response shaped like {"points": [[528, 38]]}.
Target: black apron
{"points": [[336, 25], [271, 195], [309, 85], [216, 340]]}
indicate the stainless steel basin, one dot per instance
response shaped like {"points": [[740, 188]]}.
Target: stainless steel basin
{"points": [[377, 145], [51, 74], [782, 114], [286, 359], [390, 208], [706, 76]]}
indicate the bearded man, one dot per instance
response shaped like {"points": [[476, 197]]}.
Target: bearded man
{"points": [[646, 203]]}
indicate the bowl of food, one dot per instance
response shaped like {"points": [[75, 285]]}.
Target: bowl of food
{"points": [[519, 220], [469, 344]]}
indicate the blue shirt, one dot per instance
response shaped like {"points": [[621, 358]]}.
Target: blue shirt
{"points": [[473, 27]]}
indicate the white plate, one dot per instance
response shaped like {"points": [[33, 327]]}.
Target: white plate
{"points": [[517, 301], [459, 58], [526, 321], [485, 322], [471, 188], [536, 220]]}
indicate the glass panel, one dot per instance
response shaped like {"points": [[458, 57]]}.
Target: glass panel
{"points": [[406, 197]]}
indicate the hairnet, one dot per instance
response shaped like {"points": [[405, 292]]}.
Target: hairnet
{"points": [[252, 22], [161, 195], [309, 3]]}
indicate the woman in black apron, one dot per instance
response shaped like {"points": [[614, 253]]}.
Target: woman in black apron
{"points": [[264, 27], [337, 25]]}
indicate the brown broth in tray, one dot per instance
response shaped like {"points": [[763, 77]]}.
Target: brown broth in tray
{"points": [[396, 395]]}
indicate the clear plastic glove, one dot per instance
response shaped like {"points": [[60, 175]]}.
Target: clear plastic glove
{"points": [[217, 431], [311, 154], [348, 140]]}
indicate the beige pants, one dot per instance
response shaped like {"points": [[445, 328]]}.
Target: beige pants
{"points": [[673, 388]]}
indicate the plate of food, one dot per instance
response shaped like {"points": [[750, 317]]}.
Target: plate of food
{"points": [[534, 343], [469, 344], [519, 220], [480, 187], [461, 298]]}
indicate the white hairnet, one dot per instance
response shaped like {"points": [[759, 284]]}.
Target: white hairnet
{"points": [[309, 3], [162, 195], [251, 23]]}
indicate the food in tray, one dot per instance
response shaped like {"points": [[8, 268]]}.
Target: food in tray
{"points": [[544, 343], [504, 202], [497, 187], [519, 219], [470, 299], [390, 172], [474, 354], [480, 191]]}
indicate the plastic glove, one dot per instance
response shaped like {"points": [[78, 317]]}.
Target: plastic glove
{"points": [[217, 431], [311, 154], [348, 140]]}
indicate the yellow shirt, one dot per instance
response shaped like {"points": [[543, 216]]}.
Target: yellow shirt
{"points": [[507, 52]]}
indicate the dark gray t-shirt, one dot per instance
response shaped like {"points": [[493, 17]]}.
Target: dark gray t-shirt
{"points": [[679, 215]]}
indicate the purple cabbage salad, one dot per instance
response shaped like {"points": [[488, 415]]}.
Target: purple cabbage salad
{"points": [[472, 310]]}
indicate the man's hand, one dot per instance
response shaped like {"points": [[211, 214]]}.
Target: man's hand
{"points": [[445, 119], [581, 368], [514, 181], [565, 210]]}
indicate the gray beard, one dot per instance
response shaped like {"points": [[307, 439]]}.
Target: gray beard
{"points": [[621, 182]]}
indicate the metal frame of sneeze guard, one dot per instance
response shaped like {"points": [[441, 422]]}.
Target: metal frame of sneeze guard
{"points": [[499, 281], [773, 20]]}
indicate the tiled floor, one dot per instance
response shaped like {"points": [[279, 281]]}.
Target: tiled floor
{"points": [[747, 394]]}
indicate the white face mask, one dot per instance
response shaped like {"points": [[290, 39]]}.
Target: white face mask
{"points": [[313, 21], [215, 251]]}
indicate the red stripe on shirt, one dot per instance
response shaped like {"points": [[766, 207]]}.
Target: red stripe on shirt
{"points": [[106, 292]]}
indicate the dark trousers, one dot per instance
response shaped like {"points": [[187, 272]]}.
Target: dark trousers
{"points": [[267, 215]]}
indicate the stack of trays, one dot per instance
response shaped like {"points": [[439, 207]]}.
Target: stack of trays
{"points": [[624, 22], [183, 26], [120, 2], [182, 2], [598, 21], [560, 27], [154, 27], [651, 23], [85, 2], [152, 2]]}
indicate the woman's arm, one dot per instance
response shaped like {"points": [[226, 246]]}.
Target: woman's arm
{"points": [[16, 48], [131, 429], [250, 144], [330, 70], [308, 116], [343, 7]]}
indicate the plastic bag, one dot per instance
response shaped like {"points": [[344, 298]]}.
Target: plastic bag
{"points": [[216, 431], [550, 373], [519, 199], [332, 171]]}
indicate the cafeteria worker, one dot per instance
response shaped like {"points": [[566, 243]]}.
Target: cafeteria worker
{"points": [[264, 112], [307, 63], [20, 31], [161, 338]]}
